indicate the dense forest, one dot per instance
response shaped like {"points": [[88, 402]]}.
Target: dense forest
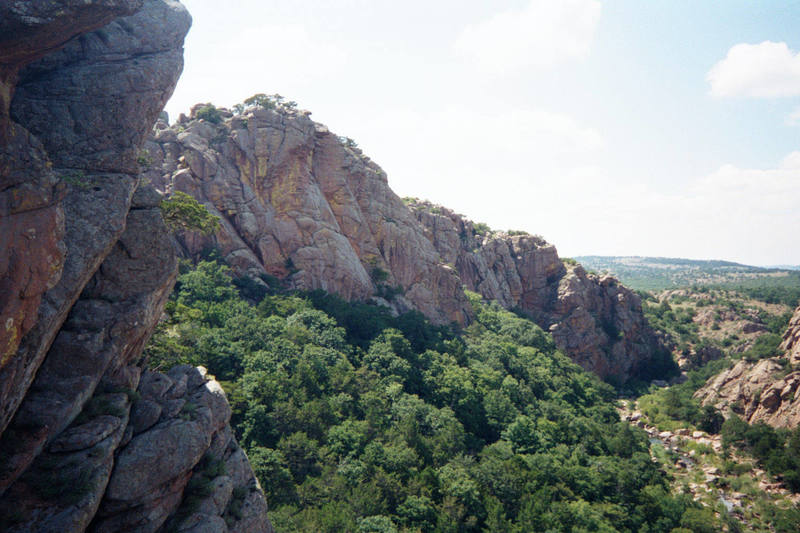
{"points": [[355, 420]]}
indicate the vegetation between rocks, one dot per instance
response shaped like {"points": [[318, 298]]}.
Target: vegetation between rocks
{"points": [[355, 420]]}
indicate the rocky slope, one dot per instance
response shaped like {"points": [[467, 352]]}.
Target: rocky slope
{"points": [[594, 319], [791, 338], [87, 265], [299, 203], [767, 391], [296, 203]]}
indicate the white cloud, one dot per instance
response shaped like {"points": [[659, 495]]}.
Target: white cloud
{"points": [[765, 70], [741, 214], [267, 58], [734, 191], [460, 148], [540, 35], [545, 173], [793, 118]]}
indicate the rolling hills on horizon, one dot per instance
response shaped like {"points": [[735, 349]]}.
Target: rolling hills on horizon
{"points": [[657, 273]]}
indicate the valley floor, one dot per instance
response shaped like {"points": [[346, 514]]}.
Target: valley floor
{"points": [[743, 496]]}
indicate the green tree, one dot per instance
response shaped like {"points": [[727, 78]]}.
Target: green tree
{"points": [[181, 212], [269, 467]]}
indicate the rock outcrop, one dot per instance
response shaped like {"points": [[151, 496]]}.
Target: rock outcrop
{"points": [[159, 458], [297, 203], [791, 338], [767, 391], [594, 319], [301, 204], [86, 268]]}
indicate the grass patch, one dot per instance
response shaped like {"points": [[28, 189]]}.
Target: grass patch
{"points": [[56, 480], [97, 406], [233, 512]]}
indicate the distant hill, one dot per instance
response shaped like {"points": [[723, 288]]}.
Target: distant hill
{"points": [[785, 267], [655, 273]]}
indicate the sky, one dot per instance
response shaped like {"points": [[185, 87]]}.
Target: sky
{"points": [[662, 128]]}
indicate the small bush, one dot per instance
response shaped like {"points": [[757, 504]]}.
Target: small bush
{"points": [[378, 274], [348, 142], [265, 101], [481, 228], [98, 405], [181, 212], [233, 512], [144, 159], [64, 481], [766, 345], [209, 113], [77, 179]]}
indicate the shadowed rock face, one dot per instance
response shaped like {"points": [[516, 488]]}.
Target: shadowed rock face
{"points": [[86, 268], [299, 203], [76, 174], [762, 391]]}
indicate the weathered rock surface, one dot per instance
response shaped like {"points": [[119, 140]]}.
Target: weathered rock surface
{"points": [[767, 391], [791, 338], [153, 470], [75, 102], [594, 319], [99, 475], [297, 203], [301, 204], [87, 264]]}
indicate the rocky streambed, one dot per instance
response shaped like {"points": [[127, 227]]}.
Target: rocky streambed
{"points": [[714, 476]]}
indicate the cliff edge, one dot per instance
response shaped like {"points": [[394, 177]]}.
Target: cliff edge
{"points": [[90, 440], [301, 204]]}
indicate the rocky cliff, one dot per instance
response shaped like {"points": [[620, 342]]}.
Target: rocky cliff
{"points": [[302, 204], [594, 319], [791, 338], [767, 391], [88, 440]]}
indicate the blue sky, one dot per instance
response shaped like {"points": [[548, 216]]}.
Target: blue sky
{"points": [[617, 128]]}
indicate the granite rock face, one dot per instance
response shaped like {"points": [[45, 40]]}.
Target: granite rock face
{"points": [[595, 320], [86, 268], [766, 391], [83, 136], [301, 204], [791, 338], [297, 203], [105, 473]]}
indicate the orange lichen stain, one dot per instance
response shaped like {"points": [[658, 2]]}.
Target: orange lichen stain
{"points": [[263, 164], [283, 190], [11, 333]]}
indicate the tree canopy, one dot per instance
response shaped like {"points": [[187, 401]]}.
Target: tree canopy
{"points": [[355, 420]]}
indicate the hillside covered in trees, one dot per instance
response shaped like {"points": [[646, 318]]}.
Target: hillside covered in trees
{"points": [[355, 420], [777, 284]]}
